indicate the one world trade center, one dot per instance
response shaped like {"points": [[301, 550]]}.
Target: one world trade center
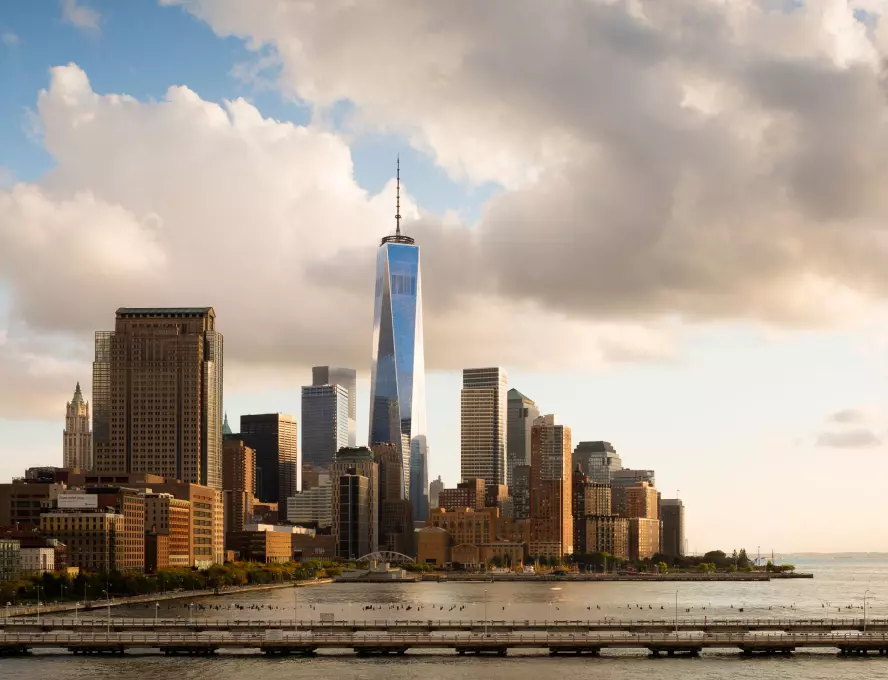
{"points": [[397, 373]]}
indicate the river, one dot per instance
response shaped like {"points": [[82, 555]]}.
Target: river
{"points": [[839, 583]]}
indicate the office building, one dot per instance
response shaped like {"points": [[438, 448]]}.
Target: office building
{"points": [[325, 424], [90, 536], [396, 527], [77, 451], [207, 530], [261, 546], [273, 437], [435, 489], [598, 460], [497, 496], [551, 532], [361, 497], [521, 412], [10, 559], [467, 525], [313, 506], [605, 534], [24, 499], [644, 537], [129, 537], [468, 494], [393, 480], [520, 491], [641, 501], [157, 395], [588, 498], [397, 369], [621, 480], [347, 378], [672, 516], [238, 482], [37, 560], [483, 425], [169, 518]]}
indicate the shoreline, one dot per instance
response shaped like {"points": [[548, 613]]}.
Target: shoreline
{"points": [[60, 607], [587, 578]]}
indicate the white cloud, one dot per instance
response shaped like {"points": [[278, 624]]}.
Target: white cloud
{"points": [[187, 202], [82, 16], [9, 38], [849, 439]]}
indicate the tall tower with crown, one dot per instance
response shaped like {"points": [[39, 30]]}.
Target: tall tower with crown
{"points": [[77, 451]]}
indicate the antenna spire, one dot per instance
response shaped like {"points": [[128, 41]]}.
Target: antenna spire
{"points": [[398, 199]]}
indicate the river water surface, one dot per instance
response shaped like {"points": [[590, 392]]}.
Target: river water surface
{"points": [[836, 591]]}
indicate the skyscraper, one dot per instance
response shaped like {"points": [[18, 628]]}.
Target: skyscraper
{"points": [[598, 460], [672, 514], [238, 482], [77, 449], [435, 489], [551, 528], [157, 395], [483, 424], [355, 475], [278, 468], [522, 411], [397, 371], [325, 423], [347, 377]]}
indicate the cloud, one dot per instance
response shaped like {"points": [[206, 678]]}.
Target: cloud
{"points": [[187, 202], [698, 158], [851, 416], [849, 439], [82, 16], [9, 38]]}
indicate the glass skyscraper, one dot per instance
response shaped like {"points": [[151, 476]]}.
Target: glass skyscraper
{"points": [[325, 423], [397, 372]]}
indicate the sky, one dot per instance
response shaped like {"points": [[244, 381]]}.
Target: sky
{"points": [[667, 221]]}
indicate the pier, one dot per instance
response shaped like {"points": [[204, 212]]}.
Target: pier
{"points": [[277, 642]]}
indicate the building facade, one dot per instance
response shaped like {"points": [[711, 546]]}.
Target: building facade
{"points": [[644, 538], [91, 538], [605, 534], [672, 515], [325, 424], [483, 424], [10, 559], [642, 501], [262, 546], [470, 493], [598, 460], [168, 516], [520, 491], [551, 532], [522, 411], [352, 462], [435, 488], [207, 528], [393, 479], [312, 506], [157, 395], [588, 498], [238, 482], [77, 447], [347, 378], [129, 537], [397, 369], [273, 436]]}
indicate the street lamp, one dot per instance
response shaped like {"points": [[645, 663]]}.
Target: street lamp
{"points": [[156, 608], [866, 592], [295, 606], [75, 613], [108, 601], [485, 612], [38, 605]]}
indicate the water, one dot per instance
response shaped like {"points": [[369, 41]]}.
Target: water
{"points": [[839, 583]]}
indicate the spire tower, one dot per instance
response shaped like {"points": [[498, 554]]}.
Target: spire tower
{"points": [[398, 197]]}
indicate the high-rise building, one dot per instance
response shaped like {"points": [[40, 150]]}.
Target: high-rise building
{"points": [[606, 534], [91, 537], [551, 532], [347, 378], [598, 460], [273, 437], [520, 491], [435, 488], [644, 537], [130, 534], [157, 395], [672, 515], [483, 424], [588, 498], [397, 371], [354, 463], [238, 482], [314, 505], [77, 451], [522, 411], [621, 480], [226, 428], [325, 423], [392, 479], [166, 515], [467, 494], [641, 501]]}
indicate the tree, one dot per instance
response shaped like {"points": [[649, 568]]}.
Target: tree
{"points": [[742, 559], [662, 567]]}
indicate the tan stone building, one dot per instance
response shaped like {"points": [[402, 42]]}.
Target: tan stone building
{"points": [[166, 515], [551, 531], [238, 482], [77, 450], [91, 538], [644, 537], [606, 534], [470, 493], [467, 525], [433, 546], [207, 523], [130, 534], [157, 395], [512, 554], [22, 501], [641, 501]]}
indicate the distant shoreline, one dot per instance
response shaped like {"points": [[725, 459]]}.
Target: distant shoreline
{"points": [[586, 578]]}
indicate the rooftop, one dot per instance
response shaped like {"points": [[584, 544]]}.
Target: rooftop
{"points": [[165, 311]]}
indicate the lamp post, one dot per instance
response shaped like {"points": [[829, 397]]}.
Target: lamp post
{"points": [[108, 602], [156, 609], [191, 613], [38, 605], [865, 593], [7, 612], [295, 606]]}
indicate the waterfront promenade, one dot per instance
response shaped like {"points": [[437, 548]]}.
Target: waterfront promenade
{"points": [[277, 642]]}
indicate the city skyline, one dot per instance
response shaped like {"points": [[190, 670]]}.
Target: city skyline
{"points": [[674, 250]]}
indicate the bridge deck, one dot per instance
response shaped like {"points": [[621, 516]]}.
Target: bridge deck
{"points": [[277, 641]]}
